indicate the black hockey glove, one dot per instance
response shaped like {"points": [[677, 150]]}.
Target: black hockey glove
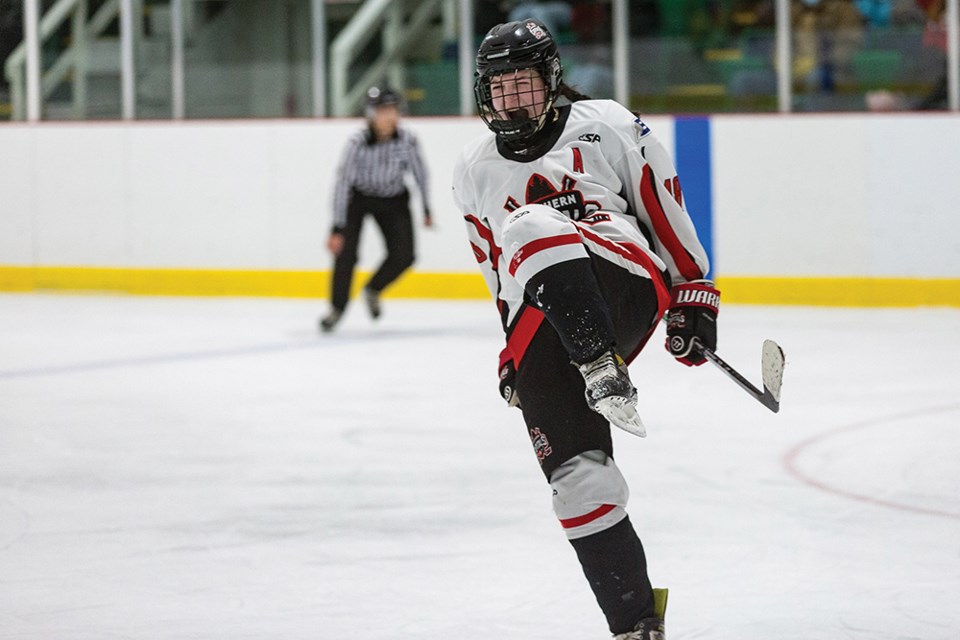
{"points": [[692, 314], [508, 376]]}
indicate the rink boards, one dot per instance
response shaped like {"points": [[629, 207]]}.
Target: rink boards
{"points": [[837, 209]]}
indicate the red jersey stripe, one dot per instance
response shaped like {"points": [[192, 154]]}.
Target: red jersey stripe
{"points": [[487, 235], [661, 226], [522, 334], [540, 244], [579, 521]]}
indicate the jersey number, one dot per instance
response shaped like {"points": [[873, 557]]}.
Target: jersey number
{"points": [[673, 187]]}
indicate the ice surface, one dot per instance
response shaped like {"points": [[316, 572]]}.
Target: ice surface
{"points": [[214, 468]]}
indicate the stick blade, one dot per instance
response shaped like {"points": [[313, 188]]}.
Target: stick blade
{"points": [[771, 363]]}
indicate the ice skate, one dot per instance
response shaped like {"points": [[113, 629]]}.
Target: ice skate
{"points": [[372, 299], [328, 322], [646, 629], [610, 393], [650, 628]]}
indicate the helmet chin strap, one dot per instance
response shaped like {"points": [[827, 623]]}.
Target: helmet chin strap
{"points": [[529, 144]]}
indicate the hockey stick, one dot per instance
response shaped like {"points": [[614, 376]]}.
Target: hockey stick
{"points": [[771, 368]]}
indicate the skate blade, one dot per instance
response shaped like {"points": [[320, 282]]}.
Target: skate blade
{"points": [[623, 414]]}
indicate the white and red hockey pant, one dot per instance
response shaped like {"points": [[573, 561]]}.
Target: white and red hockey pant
{"points": [[536, 237], [589, 494]]}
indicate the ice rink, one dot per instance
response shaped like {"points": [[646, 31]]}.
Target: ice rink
{"points": [[214, 468]]}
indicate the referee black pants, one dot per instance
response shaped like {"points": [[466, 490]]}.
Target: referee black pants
{"points": [[392, 216]]}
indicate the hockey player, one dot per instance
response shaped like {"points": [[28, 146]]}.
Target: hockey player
{"points": [[577, 221]]}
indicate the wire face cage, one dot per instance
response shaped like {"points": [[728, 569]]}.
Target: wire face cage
{"points": [[514, 104]]}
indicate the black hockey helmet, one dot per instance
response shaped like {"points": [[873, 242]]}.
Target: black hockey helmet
{"points": [[525, 44], [381, 97]]}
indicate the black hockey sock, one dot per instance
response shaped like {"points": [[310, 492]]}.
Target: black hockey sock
{"points": [[614, 564], [570, 298]]}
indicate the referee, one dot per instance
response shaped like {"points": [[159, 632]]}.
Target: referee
{"points": [[370, 180]]}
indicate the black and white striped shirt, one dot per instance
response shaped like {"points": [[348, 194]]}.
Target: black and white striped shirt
{"points": [[377, 168]]}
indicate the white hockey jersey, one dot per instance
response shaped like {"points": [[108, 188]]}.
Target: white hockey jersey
{"points": [[608, 172]]}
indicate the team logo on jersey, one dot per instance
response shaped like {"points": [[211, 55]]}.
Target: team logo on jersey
{"points": [[589, 137], [540, 444], [596, 218], [566, 199], [641, 127]]}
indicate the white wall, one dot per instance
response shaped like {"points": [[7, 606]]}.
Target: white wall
{"points": [[837, 195], [853, 195], [230, 194]]}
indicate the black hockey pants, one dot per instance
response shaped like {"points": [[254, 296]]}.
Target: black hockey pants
{"points": [[551, 389]]}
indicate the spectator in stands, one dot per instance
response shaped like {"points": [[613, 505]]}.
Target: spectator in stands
{"points": [[827, 33], [877, 13], [588, 60], [590, 22], [934, 37]]}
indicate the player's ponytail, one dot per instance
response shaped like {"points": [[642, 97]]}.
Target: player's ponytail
{"points": [[571, 94]]}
